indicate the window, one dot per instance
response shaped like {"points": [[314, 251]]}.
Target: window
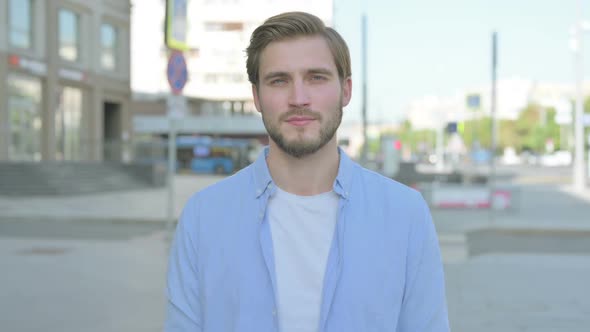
{"points": [[69, 39], [20, 26], [68, 119], [24, 109], [108, 44]]}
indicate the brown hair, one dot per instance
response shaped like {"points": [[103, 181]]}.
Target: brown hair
{"points": [[292, 25]]}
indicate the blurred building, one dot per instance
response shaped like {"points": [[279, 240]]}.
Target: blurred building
{"points": [[64, 80], [513, 95], [218, 34]]}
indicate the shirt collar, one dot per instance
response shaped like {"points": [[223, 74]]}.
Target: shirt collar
{"points": [[343, 181], [263, 180]]}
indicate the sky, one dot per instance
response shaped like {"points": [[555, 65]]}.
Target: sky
{"points": [[428, 47]]}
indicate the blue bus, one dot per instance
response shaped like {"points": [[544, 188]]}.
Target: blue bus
{"points": [[207, 155]]}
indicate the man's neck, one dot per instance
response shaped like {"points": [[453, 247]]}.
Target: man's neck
{"points": [[311, 175]]}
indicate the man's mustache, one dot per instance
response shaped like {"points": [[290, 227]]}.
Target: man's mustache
{"points": [[301, 112]]}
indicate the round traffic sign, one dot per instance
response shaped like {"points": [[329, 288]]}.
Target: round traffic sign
{"points": [[177, 72]]}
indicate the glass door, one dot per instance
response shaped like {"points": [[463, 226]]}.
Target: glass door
{"points": [[24, 109]]}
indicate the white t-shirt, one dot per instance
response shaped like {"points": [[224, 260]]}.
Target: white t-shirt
{"points": [[302, 229]]}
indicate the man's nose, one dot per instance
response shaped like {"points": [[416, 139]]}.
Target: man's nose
{"points": [[299, 96]]}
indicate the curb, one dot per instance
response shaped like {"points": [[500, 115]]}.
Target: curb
{"points": [[85, 219], [524, 231]]}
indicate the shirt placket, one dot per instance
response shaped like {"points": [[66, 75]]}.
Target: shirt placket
{"points": [[267, 247], [334, 264]]}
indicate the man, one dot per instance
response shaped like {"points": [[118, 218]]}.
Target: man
{"points": [[304, 239]]}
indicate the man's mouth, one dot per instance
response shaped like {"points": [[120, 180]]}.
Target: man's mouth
{"points": [[300, 120]]}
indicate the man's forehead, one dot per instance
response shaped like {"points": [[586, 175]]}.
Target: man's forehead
{"points": [[306, 53]]}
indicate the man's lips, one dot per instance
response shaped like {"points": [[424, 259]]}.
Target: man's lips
{"points": [[300, 120]]}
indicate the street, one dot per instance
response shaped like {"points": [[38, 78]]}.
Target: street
{"points": [[90, 276]]}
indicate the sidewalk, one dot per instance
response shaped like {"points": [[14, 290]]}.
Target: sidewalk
{"points": [[148, 205]]}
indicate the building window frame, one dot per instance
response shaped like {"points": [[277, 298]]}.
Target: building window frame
{"points": [[69, 124], [75, 35], [24, 111], [115, 48], [14, 25]]}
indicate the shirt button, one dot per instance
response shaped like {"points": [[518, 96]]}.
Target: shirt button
{"points": [[274, 312]]}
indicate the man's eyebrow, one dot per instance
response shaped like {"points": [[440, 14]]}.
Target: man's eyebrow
{"points": [[283, 74], [323, 71], [275, 74]]}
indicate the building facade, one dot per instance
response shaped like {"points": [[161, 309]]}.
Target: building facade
{"points": [[64, 80]]}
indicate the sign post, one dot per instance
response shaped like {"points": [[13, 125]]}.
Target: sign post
{"points": [[473, 104], [177, 77], [493, 128]]}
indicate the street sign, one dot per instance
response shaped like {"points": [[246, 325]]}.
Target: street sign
{"points": [[177, 106], [451, 127], [473, 101], [176, 24], [177, 72]]}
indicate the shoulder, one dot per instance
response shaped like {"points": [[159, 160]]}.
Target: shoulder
{"points": [[236, 185], [401, 208], [384, 188]]}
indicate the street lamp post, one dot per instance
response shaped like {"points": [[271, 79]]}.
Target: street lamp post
{"points": [[578, 171], [365, 147]]}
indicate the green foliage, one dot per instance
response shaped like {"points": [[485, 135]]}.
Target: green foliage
{"points": [[415, 138], [507, 134], [533, 128], [374, 145]]}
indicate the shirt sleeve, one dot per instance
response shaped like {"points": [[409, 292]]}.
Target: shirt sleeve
{"points": [[183, 308], [424, 306]]}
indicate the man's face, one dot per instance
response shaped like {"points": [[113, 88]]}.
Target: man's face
{"points": [[300, 94]]}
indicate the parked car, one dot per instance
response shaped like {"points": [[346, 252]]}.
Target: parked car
{"points": [[529, 157], [557, 158], [510, 157]]}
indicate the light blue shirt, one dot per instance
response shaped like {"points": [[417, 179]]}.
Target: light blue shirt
{"points": [[384, 271]]}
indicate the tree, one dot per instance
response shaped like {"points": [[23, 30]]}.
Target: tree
{"points": [[478, 130], [507, 134], [415, 139], [535, 126]]}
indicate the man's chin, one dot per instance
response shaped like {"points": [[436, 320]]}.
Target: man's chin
{"points": [[300, 149]]}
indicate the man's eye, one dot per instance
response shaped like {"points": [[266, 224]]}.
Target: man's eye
{"points": [[278, 81], [318, 78]]}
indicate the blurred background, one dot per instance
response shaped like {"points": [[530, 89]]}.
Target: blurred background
{"points": [[113, 112]]}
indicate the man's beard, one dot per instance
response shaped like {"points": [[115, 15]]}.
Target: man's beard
{"points": [[299, 148]]}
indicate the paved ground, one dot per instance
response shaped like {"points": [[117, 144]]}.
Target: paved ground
{"points": [[69, 285], [145, 205], [92, 280], [516, 292], [65, 269]]}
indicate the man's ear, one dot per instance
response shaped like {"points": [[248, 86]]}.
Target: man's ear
{"points": [[255, 96], [346, 91]]}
